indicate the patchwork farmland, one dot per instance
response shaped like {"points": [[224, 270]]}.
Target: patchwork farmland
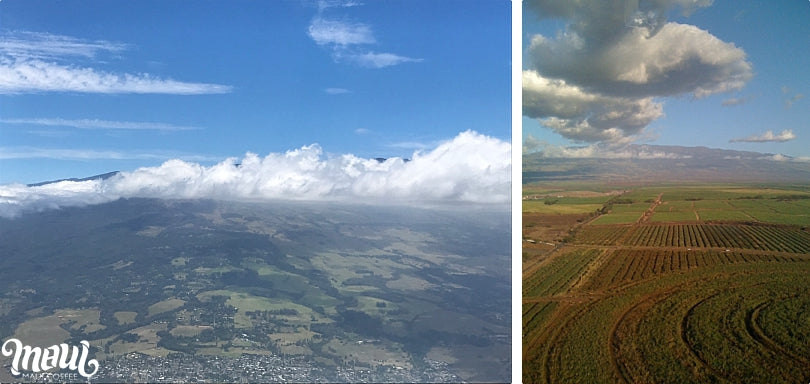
{"points": [[705, 283]]}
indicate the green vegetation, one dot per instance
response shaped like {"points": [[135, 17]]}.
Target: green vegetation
{"points": [[221, 279], [559, 274], [617, 218], [558, 207], [709, 287], [164, 306], [125, 317]]}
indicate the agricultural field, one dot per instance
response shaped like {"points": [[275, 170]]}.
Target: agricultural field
{"points": [[673, 284]]}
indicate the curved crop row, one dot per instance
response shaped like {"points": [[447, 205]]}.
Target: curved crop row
{"points": [[733, 323]]}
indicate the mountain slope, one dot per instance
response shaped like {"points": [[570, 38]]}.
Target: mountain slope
{"points": [[669, 163]]}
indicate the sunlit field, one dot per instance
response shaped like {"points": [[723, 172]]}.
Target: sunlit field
{"points": [[704, 283]]}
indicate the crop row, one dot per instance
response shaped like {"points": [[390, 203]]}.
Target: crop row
{"points": [[535, 316], [601, 234], [732, 328], [740, 236], [716, 329], [559, 274], [623, 266]]}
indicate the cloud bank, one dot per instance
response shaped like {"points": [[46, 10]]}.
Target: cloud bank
{"points": [[768, 136], [33, 62], [470, 168], [600, 79], [596, 151]]}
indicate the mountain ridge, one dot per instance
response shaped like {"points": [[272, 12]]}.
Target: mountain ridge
{"points": [[103, 176], [640, 162]]}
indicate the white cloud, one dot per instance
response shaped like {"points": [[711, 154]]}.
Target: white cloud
{"points": [[18, 198], [531, 144], [336, 91], [324, 4], [600, 78], [362, 131], [11, 153], [45, 46], [768, 136], [777, 157], [380, 60], [36, 62], [736, 101], [411, 145], [344, 40], [783, 158], [469, 168], [789, 102], [583, 116], [35, 76], [98, 124], [678, 59], [598, 151], [324, 31]]}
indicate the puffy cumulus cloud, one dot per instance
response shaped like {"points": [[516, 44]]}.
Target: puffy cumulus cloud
{"points": [[677, 59], [600, 22], [470, 168], [767, 136], [584, 116], [598, 78]]}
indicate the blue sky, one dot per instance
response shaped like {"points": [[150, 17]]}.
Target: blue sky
{"points": [[740, 71], [88, 87]]}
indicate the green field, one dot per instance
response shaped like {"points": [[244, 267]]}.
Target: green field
{"points": [[246, 302], [165, 306], [711, 287], [558, 208]]}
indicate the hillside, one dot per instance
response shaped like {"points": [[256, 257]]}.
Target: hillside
{"points": [[312, 292]]}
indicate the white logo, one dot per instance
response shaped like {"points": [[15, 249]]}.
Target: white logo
{"points": [[38, 359]]}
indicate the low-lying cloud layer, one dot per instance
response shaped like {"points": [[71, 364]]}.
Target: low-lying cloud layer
{"points": [[595, 151], [470, 168], [600, 79], [767, 136]]}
